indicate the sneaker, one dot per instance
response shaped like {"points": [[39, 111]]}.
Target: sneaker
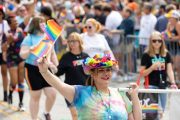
{"points": [[21, 107], [47, 116]]}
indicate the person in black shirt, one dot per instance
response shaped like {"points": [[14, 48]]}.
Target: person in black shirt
{"points": [[87, 10], [127, 24], [98, 14], [71, 65], [157, 65]]}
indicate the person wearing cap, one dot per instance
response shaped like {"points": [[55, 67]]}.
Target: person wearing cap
{"points": [[174, 28], [174, 24], [4, 28], [96, 101], [156, 63], [162, 20]]}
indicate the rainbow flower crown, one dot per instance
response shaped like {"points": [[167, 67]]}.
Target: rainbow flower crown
{"points": [[98, 61]]}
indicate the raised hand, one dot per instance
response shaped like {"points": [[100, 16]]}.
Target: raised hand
{"points": [[43, 64]]}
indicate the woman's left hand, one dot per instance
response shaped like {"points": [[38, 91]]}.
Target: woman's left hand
{"points": [[133, 89], [173, 86]]}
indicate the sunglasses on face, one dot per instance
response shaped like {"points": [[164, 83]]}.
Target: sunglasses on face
{"points": [[104, 70], [72, 41], [88, 27], [159, 41]]}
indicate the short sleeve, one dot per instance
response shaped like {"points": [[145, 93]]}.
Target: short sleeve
{"points": [[62, 66], [168, 58], [77, 101], [82, 93], [126, 100], [27, 41], [144, 59]]}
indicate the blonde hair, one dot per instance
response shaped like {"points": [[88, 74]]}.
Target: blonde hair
{"points": [[150, 50], [95, 23], [75, 36]]}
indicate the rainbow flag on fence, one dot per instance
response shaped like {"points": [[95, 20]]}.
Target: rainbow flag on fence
{"points": [[52, 31]]}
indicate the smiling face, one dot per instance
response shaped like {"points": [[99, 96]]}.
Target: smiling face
{"points": [[102, 76], [90, 27]]}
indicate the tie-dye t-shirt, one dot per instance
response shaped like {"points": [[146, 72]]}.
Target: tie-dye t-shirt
{"points": [[94, 105]]}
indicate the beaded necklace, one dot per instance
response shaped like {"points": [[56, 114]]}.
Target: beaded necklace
{"points": [[105, 104]]}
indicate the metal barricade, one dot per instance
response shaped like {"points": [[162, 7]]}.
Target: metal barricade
{"points": [[171, 110], [130, 53], [173, 47]]}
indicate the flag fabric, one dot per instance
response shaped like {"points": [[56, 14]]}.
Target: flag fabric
{"points": [[42, 48], [52, 31]]}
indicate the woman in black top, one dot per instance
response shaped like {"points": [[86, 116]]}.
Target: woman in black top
{"points": [[157, 65], [71, 65]]}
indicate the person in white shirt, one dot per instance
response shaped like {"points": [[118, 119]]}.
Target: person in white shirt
{"points": [[94, 43], [113, 19], [4, 28], [147, 25]]}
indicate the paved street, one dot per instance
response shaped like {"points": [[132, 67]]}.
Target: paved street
{"points": [[59, 112]]}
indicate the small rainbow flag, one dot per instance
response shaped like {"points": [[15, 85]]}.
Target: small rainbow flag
{"points": [[52, 30], [152, 108], [166, 35], [42, 48]]}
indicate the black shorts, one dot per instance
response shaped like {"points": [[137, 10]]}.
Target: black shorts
{"points": [[1, 59], [34, 78]]}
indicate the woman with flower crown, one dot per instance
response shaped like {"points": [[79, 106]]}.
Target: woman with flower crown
{"points": [[97, 101]]}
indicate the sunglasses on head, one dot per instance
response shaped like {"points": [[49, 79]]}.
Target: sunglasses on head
{"points": [[154, 41], [88, 27]]}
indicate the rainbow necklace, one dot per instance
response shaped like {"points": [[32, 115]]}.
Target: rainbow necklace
{"points": [[105, 104]]}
